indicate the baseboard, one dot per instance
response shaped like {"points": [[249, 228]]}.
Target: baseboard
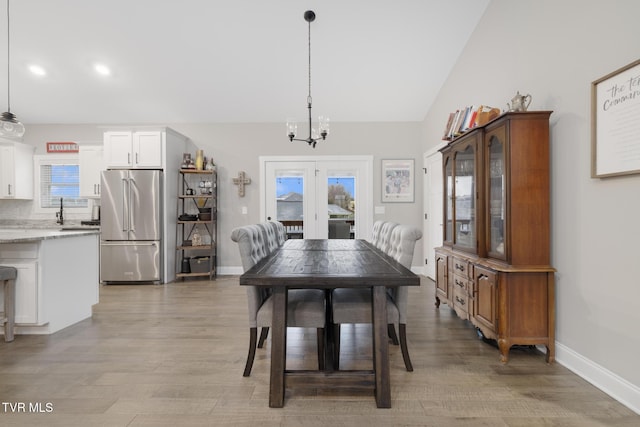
{"points": [[615, 386], [230, 271]]}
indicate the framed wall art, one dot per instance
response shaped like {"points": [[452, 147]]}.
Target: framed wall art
{"points": [[398, 181], [615, 128]]}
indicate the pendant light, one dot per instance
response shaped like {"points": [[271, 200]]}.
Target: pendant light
{"points": [[10, 127], [323, 122]]}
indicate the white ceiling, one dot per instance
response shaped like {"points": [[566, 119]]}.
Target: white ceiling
{"points": [[202, 61]]}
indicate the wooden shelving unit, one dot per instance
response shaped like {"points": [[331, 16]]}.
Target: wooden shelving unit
{"points": [[197, 189]]}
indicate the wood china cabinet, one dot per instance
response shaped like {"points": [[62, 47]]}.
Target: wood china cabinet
{"points": [[494, 266]]}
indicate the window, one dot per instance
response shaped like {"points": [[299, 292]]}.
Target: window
{"points": [[59, 178]]}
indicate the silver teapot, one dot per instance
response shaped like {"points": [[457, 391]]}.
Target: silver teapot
{"points": [[519, 102]]}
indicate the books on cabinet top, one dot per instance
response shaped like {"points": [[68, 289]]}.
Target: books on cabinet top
{"points": [[468, 118]]}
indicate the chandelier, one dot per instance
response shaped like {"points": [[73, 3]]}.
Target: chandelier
{"points": [[323, 122], [9, 124]]}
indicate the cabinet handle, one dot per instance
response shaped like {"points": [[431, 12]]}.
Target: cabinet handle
{"points": [[460, 267], [459, 283], [129, 158], [9, 189], [137, 158], [461, 301]]}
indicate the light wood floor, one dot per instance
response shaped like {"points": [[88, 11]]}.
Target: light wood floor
{"points": [[173, 355]]}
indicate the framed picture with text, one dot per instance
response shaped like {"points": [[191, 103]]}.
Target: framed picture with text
{"points": [[615, 128], [398, 181]]}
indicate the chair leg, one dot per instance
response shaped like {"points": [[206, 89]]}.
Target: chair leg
{"points": [[336, 346], [253, 335], [403, 346], [9, 309], [320, 338], [392, 333], [263, 336]]}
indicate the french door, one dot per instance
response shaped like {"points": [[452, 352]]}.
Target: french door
{"points": [[318, 197]]}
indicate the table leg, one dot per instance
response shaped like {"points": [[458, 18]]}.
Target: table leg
{"points": [[329, 339], [278, 347], [381, 347]]}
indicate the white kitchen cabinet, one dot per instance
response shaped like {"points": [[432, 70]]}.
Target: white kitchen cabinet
{"points": [[91, 164], [27, 307], [48, 299], [134, 150], [16, 170]]}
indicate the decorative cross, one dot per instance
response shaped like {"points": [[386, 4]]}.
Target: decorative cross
{"points": [[241, 181]]}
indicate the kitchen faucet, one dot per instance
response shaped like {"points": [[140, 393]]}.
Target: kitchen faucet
{"points": [[59, 214]]}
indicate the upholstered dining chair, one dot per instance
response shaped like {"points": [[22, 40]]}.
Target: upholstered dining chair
{"points": [[306, 307], [385, 234], [281, 231], [375, 232], [274, 235], [354, 305], [270, 236]]}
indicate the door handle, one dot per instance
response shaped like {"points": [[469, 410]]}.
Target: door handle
{"points": [[131, 212]]}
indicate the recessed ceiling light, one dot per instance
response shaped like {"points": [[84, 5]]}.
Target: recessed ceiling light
{"points": [[37, 70], [102, 69]]}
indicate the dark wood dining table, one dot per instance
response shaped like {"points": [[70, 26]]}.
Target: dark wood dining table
{"points": [[329, 264]]}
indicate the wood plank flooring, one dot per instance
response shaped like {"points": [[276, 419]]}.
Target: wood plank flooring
{"points": [[173, 355]]}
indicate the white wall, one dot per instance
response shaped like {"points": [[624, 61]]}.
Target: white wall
{"points": [[553, 50], [236, 147]]}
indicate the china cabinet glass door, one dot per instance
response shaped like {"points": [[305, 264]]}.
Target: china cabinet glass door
{"points": [[448, 214], [496, 197], [464, 204]]}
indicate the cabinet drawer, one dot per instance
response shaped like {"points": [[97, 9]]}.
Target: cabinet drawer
{"points": [[461, 302], [460, 283], [462, 267]]}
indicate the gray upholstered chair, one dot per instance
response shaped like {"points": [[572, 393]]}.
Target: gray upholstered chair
{"points": [[354, 305], [375, 233], [281, 231], [306, 307], [385, 235], [8, 277], [274, 235]]}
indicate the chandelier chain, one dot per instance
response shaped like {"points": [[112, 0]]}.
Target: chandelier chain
{"points": [[8, 61], [309, 46]]}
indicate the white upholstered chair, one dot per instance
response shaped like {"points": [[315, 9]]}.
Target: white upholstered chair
{"points": [[375, 233], [384, 235], [354, 305], [306, 307]]}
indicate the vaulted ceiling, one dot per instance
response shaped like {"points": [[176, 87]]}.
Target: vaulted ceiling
{"points": [[202, 61]]}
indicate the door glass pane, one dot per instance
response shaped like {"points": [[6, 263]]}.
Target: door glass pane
{"points": [[341, 206], [465, 210], [496, 195], [290, 202], [448, 232]]}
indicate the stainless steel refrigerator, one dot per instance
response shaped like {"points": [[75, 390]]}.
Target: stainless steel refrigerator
{"points": [[130, 223]]}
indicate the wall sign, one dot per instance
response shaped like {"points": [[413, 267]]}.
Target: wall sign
{"points": [[615, 128], [62, 147]]}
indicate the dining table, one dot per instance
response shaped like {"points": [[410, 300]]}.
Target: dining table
{"points": [[329, 264]]}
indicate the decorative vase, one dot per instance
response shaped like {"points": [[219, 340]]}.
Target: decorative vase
{"points": [[199, 159]]}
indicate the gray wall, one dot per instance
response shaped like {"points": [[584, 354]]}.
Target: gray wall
{"points": [[236, 147], [554, 50]]}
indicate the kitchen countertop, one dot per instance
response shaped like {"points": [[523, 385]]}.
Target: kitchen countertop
{"points": [[21, 235]]}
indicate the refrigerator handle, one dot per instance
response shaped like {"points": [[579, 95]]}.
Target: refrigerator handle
{"points": [[125, 217], [131, 204]]}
